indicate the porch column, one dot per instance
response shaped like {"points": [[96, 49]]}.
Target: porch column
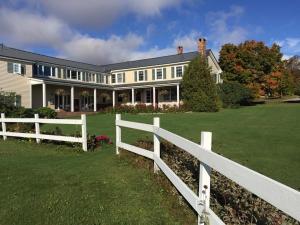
{"points": [[178, 94], [95, 100], [114, 98], [132, 96], [72, 99], [153, 92], [44, 95]]}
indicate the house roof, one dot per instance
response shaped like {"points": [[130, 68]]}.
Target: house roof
{"points": [[34, 57], [154, 61]]}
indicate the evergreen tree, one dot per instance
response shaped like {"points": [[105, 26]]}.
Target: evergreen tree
{"points": [[199, 90]]}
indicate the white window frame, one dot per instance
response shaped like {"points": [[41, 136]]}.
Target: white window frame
{"points": [[138, 75], [162, 74], [117, 78], [182, 68], [17, 66]]}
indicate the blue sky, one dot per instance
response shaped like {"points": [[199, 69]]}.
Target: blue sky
{"points": [[103, 32]]}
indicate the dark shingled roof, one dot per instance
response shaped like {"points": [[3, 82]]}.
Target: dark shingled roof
{"points": [[34, 57], [154, 61]]}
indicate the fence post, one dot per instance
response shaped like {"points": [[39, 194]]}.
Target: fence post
{"points": [[156, 143], [37, 128], [204, 175], [3, 126], [83, 132], [118, 133]]}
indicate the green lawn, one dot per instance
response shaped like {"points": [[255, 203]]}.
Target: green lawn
{"points": [[48, 184], [265, 138]]}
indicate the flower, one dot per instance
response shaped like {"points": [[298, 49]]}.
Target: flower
{"points": [[102, 138]]}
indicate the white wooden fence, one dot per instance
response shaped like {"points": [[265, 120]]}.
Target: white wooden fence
{"points": [[277, 194], [38, 136]]}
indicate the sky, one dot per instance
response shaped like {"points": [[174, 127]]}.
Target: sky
{"points": [[102, 32]]}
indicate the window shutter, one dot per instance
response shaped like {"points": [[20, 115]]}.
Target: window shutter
{"points": [[113, 78], [153, 74], [135, 76], [23, 69], [58, 72], [146, 75], [123, 77], [173, 71], [164, 73], [9, 67]]}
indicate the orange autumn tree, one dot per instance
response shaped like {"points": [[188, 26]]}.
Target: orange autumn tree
{"points": [[256, 66]]}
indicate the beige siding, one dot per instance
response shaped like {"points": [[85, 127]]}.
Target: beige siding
{"points": [[16, 83], [129, 73]]}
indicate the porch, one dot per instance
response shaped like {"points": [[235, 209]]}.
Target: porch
{"points": [[158, 96], [70, 98]]}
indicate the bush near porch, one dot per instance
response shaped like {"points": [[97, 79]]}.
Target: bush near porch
{"points": [[143, 108]]}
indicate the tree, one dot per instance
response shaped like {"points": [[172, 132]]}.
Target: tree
{"points": [[199, 90], [254, 65]]}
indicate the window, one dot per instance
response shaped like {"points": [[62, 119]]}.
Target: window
{"points": [[170, 95], [84, 76], [179, 71], [148, 96], [159, 74], [16, 68], [138, 96], [113, 78], [18, 101], [68, 74], [74, 75], [119, 78], [47, 71]]}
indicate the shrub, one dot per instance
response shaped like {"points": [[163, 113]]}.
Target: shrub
{"points": [[232, 203], [143, 108], [297, 88], [233, 94], [45, 112], [198, 88]]}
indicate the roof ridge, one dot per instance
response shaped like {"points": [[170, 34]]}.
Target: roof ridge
{"points": [[151, 58], [53, 57]]}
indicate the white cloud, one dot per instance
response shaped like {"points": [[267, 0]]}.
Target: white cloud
{"points": [[96, 13], [24, 28], [101, 51], [188, 41], [290, 46], [222, 28]]}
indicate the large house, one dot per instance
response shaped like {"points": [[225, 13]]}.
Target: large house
{"points": [[43, 81]]}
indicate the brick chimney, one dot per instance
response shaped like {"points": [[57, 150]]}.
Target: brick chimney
{"points": [[179, 50], [202, 46]]}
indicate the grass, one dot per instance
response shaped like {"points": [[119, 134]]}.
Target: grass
{"points": [[48, 184], [263, 137]]}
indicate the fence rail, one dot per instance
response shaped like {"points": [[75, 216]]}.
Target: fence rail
{"points": [[277, 194], [38, 136]]}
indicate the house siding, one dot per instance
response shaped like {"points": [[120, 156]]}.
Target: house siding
{"points": [[16, 83]]}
